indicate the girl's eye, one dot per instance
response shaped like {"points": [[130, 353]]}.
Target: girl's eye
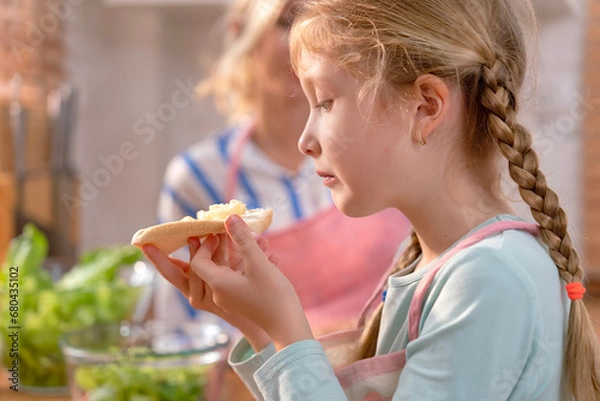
{"points": [[325, 105]]}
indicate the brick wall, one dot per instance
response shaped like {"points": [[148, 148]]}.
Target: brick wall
{"points": [[591, 147]]}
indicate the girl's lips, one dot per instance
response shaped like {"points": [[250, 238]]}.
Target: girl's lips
{"points": [[328, 179]]}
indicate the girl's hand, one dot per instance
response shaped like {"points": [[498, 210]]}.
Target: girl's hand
{"points": [[244, 283], [179, 274]]}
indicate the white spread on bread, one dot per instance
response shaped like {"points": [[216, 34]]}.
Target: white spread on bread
{"points": [[170, 236]]}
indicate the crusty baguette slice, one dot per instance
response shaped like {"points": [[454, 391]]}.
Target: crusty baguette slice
{"points": [[169, 237]]}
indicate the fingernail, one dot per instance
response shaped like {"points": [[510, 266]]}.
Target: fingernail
{"points": [[212, 239], [149, 249], [233, 220]]}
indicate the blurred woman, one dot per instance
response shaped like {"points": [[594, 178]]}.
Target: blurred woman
{"points": [[256, 160]]}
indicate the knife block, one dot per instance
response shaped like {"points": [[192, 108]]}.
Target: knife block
{"points": [[60, 222], [7, 222]]}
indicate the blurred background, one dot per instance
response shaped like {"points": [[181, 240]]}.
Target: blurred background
{"points": [[96, 96]]}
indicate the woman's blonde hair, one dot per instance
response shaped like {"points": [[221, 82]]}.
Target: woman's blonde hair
{"points": [[484, 46], [232, 80]]}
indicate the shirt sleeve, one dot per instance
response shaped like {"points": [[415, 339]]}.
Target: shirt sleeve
{"points": [[299, 372], [245, 362], [476, 333]]}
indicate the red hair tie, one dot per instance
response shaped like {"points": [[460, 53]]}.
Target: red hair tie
{"points": [[575, 290]]}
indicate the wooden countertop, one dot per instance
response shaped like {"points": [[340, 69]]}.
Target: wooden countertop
{"points": [[232, 390], [6, 394], [9, 395]]}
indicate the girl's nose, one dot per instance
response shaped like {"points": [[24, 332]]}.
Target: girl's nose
{"points": [[308, 143]]}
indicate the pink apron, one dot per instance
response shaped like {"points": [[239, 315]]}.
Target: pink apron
{"points": [[326, 256], [376, 379]]}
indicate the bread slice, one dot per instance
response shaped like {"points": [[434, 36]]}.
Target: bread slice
{"points": [[169, 237]]}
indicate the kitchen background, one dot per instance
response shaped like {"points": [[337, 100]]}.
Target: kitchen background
{"points": [[96, 96], [133, 65]]}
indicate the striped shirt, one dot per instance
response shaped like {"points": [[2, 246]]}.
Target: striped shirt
{"points": [[198, 178]]}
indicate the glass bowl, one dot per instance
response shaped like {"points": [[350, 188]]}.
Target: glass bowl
{"points": [[42, 317], [152, 361]]}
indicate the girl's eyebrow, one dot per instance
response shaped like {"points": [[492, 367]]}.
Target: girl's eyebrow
{"points": [[308, 74], [315, 78], [314, 71]]}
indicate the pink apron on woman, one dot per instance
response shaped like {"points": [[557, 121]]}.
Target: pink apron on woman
{"points": [[334, 261], [376, 378]]}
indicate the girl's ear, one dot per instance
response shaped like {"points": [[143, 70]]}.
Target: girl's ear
{"points": [[432, 96]]}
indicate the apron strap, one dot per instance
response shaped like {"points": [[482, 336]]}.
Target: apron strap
{"points": [[375, 298], [416, 304], [230, 186], [236, 158]]}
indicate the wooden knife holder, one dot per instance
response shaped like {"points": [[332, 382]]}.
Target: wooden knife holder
{"points": [[59, 223], [41, 68], [7, 223]]}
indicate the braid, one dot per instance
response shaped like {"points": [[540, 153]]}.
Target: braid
{"points": [[514, 142], [368, 339], [499, 102]]}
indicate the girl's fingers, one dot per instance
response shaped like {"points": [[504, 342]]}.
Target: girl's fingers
{"points": [[173, 270], [221, 254], [263, 243], [193, 245], [197, 293], [198, 289], [236, 262], [244, 241], [273, 258], [184, 266], [202, 262]]}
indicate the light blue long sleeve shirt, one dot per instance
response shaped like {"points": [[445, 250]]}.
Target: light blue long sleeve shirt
{"points": [[493, 328]]}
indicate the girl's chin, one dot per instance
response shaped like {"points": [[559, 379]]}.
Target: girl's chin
{"points": [[346, 205]]}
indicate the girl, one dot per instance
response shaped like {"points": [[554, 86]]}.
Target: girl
{"points": [[422, 98], [256, 160]]}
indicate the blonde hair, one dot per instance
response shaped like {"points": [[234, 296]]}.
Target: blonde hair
{"points": [[482, 45], [232, 81]]}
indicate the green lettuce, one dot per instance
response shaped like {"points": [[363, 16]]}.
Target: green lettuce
{"points": [[90, 293], [100, 265]]}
